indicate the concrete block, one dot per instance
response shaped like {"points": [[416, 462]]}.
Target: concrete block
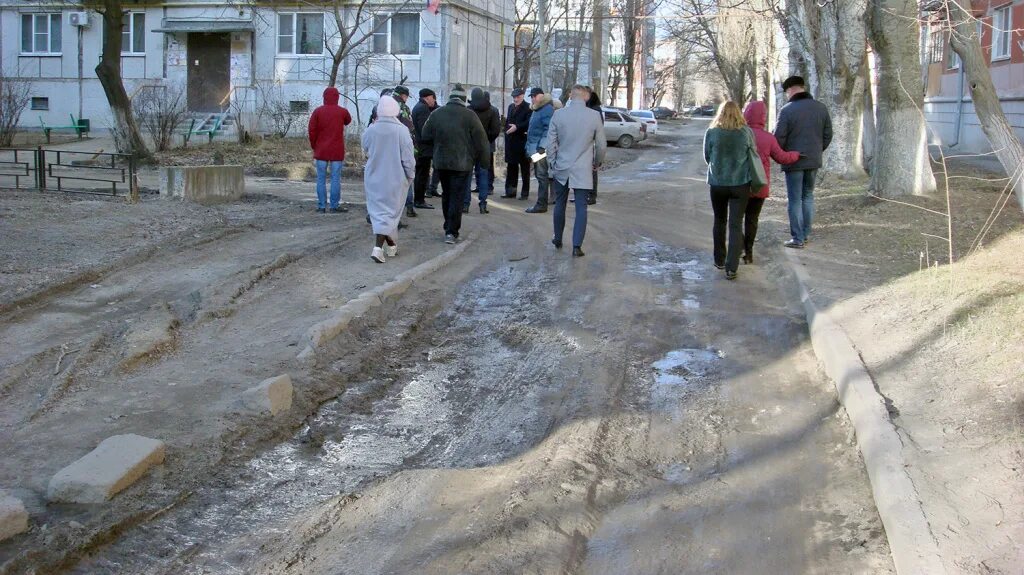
{"points": [[13, 517], [116, 463], [273, 395], [203, 184]]}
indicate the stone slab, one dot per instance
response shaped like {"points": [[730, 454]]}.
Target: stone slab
{"points": [[205, 185], [116, 463], [273, 395], [13, 517]]}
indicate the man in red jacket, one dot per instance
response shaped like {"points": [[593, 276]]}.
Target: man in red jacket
{"points": [[327, 138]]}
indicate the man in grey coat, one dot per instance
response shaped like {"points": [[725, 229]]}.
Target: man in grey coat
{"points": [[576, 147], [804, 126]]}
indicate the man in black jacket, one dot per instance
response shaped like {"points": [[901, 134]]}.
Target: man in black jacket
{"points": [[481, 104], [804, 126], [517, 120], [459, 143], [424, 153]]}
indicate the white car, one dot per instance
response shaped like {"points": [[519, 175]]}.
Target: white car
{"points": [[647, 117]]}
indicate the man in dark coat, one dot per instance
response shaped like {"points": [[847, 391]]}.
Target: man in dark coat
{"points": [[459, 143], [517, 120], [804, 126], [424, 154], [481, 105]]}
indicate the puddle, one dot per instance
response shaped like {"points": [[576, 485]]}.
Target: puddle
{"points": [[655, 260], [679, 373]]}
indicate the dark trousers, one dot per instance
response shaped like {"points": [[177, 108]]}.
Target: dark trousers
{"points": [[540, 170], [750, 217], [593, 193], [515, 169], [453, 190], [579, 226], [422, 178], [729, 204]]}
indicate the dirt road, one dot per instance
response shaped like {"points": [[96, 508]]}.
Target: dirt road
{"points": [[627, 412]]}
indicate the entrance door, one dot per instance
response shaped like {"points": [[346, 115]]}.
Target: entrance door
{"points": [[209, 71]]}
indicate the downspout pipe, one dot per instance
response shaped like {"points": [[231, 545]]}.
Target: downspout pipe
{"points": [[959, 108]]}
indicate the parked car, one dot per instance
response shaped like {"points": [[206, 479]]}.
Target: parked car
{"points": [[646, 117], [663, 113], [622, 129], [707, 111]]}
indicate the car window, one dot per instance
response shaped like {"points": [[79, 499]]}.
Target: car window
{"points": [[612, 117], [628, 118], [641, 114]]}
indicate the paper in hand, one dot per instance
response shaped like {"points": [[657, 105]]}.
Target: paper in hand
{"points": [[538, 157]]}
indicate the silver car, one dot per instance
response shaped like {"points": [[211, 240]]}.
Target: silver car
{"points": [[622, 129]]}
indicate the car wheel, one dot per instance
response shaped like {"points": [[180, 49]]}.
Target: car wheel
{"points": [[626, 141]]}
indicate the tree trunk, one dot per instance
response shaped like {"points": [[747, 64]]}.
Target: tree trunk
{"points": [[901, 163], [1004, 142], [125, 130]]}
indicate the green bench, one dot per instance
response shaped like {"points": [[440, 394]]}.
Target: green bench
{"points": [[80, 126]]}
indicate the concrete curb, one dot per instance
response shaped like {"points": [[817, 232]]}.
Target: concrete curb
{"points": [[911, 541], [325, 331]]}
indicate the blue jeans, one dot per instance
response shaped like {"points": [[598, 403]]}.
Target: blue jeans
{"points": [[483, 184], [800, 189], [321, 183], [579, 227]]}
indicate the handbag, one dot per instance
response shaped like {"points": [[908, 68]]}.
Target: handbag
{"points": [[758, 179]]}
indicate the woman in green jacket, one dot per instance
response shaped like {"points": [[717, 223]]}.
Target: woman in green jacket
{"points": [[727, 146]]}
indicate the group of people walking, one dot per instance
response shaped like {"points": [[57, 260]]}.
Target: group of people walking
{"points": [[738, 151], [412, 152]]}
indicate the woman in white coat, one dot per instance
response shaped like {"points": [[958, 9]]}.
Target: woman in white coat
{"points": [[390, 166]]}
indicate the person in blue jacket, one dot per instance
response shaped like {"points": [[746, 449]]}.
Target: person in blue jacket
{"points": [[536, 143]]}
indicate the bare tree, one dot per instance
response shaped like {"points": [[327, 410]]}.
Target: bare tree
{"points": [[901, 164], [965, 42], [14, 97], [124, 129], [160, 111]]}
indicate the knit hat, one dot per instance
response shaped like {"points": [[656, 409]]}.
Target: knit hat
{"points": [[426, 93], [401, 90], [458, 93], [387, 107]]}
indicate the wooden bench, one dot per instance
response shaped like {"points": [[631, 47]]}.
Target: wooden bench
{"points": [[80, 126]]}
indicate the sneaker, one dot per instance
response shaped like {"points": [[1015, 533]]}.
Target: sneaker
{"points": [[730, 275], [321, 210], [483, 209], [449, 239], [423, 206], [378, 255], [794, 244], [577, 252], [410, 212], [537, 209], [720, 266], [391, 251], [339, 210]]}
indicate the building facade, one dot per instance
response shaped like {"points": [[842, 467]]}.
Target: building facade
{"points": [[948, 105], [227, 55]]}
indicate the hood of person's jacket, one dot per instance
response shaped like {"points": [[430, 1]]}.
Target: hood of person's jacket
{"points": [[331, 96], [478, 100], [756, 114], [544, 100]]}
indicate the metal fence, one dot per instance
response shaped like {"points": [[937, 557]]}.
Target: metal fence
{"points": [[66, 171]]}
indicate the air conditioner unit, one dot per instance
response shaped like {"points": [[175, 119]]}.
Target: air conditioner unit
{"points": [[79, 19]]}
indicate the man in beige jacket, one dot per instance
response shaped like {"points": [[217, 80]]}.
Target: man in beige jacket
{"points": [[576, 147]]}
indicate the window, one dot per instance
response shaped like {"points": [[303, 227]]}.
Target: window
{"points": [[954, 59], [936, 40], [40, 33], [612, 117], [133, 33], [397, 34], [298, 106], [1001, 33], [40, 103], [300, 34]]}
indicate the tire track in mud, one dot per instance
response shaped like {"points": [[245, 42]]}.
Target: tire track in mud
{"points": [[473, 399]]}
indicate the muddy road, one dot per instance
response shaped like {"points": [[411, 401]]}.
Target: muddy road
{"points": [[626, 412]]}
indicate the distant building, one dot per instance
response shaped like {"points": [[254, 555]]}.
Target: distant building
{"points": [[948, 105], [229, 53]]}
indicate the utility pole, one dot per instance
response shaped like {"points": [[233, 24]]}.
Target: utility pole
{"points": [[597, 65], [542, 52]]}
